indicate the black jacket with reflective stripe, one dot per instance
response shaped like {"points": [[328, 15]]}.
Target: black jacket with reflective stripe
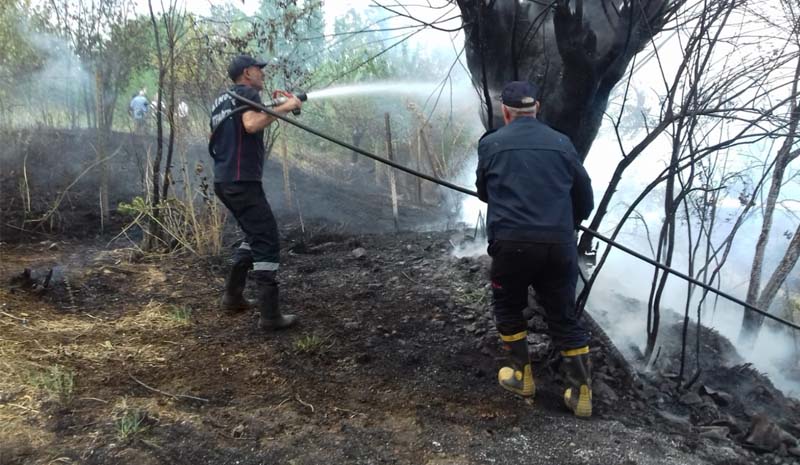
{"points": [[534, 183], [238, 155]]}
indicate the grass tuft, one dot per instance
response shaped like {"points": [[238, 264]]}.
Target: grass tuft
{"points": [[180, 314], [129, 421], [310, 344], [58, 382]]}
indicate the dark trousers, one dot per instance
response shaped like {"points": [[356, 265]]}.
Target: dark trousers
{"points": [[552, 270], [248, 204]]}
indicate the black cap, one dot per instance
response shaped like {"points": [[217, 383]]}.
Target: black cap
{"points": [[520, 94], [242, 62]]}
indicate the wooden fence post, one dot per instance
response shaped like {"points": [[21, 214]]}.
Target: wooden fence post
{"points": [[378, 165], [392, 185], [287, 184], [419, 168]]}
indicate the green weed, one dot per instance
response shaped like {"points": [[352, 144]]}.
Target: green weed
{"points": [[309, 344], [180, 313], [129, 421], [58, 382]]}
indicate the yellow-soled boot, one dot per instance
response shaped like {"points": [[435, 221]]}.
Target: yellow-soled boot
{"points": [[577, 370], [517, 377]]}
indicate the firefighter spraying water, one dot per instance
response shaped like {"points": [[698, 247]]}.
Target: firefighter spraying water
{"points": [[237, 147]]}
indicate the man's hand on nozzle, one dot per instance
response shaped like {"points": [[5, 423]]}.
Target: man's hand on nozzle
{"points": [[293, 103]]}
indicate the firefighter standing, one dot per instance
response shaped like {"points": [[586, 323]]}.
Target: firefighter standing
{"points": [[238, 152], [537, 193]]}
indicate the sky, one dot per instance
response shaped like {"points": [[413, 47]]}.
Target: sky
{"points": [[333, 9]]}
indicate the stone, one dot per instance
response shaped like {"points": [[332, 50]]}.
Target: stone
{"points": [[767, 436], [603, 392], [675, 420], [691, 398], [719, 433], [721, 398], [359, 253]]}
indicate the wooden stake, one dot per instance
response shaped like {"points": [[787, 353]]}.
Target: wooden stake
{"points": [[287, 185], [378, 166], [392, 184], [419, 168], [428, 154]]}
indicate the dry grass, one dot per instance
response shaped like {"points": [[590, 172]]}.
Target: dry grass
{"points": [[51, 359], [36, 355], [156, 316], [189, 219]]}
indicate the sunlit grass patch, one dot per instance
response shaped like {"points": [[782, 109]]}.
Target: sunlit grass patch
{"points": [[58, 382], [471, 296], [156, 315], [129, 421], [310, 344], [180, 313]]}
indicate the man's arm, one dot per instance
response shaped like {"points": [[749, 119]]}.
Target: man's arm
{"points": [[480, 181], [582, 195], [255, 121]]}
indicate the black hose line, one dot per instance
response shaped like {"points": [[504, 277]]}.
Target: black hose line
{"points": [[464, 190], [350, 146]]}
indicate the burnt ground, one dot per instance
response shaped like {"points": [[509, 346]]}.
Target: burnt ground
{"points": [[394, 362], [124, 358]]}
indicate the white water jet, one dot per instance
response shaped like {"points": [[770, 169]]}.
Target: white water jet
{"points": [[381, 88]]}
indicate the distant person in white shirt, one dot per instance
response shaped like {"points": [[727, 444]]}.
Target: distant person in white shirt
{"points": [[138, 110]]}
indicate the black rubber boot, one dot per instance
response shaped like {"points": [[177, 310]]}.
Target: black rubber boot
{"points": [[577, 370], [271, 317], [233, 299], [518, 376]]}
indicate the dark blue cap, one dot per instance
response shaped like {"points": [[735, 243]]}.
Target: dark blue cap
{"points": [[241, 63], [520, 94]]}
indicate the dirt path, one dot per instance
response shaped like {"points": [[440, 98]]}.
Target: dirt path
{"points": [[127, 360]]}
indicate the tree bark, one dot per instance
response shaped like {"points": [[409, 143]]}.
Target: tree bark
{"points": [[153, 229], [751, 322], [576, 56], [102, 138], [778, 277]]}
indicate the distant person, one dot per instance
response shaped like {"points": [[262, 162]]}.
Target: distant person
{"points": [[138, 111], [182, 110], [537, 193], [237, 147]]}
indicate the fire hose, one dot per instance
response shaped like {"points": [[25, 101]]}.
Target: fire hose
{"points": [[595, 234]]}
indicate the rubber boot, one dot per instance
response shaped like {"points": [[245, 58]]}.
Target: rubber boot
{"points": [[577, 370], [233, 299], [518, 376], [271, 317]]}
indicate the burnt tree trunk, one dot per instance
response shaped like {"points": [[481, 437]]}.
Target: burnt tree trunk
{"points": [[153, 235], [576, 53]]}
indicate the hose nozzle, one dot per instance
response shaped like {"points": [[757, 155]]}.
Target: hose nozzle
{"points": [[280, 96]]}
